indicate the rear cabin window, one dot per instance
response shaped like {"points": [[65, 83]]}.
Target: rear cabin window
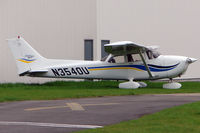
{"points": [[104, 58]]}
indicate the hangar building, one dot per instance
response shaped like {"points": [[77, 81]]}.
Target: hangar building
{"points": [[78, 29]]}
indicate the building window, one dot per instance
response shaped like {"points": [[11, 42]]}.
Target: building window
{"points": [[103, 42], [88, 49]]}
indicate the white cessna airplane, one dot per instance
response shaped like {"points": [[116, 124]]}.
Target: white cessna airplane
{"points": [[126, 61]]}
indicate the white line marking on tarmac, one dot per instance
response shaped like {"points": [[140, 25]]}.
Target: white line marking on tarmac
{"points": [[75, 106], [71, 106], [7, 123], [182, 94], [42, 108]]}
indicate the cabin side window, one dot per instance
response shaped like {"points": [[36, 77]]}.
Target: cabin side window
{"points": [[134, 57], [116, 59]]}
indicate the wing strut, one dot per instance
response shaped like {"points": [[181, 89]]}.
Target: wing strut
{"points": [[145, 64]]}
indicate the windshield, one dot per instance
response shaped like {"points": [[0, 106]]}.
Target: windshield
{"points": [[152, 54], [155, 54]]}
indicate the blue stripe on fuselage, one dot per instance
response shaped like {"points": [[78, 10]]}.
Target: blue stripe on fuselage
{"points": [[153, 68]]}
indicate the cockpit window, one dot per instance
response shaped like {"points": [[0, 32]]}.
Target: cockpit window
{"points": [[152, 54]]}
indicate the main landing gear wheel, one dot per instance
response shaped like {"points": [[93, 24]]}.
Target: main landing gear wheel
{"points": [[129, 85], [142, 84], [132, 85], [172, 85]]}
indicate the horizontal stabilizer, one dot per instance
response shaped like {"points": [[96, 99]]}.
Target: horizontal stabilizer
{"points": [[33, 72], [39, 71]]}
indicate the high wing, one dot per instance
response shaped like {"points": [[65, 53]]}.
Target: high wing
{"points": [[128, 47]]}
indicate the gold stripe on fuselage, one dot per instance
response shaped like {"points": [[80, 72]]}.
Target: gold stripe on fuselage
{"points": [[25, 61]]}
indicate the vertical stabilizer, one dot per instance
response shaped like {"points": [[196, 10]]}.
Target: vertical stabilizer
{"points": [[25, 56]]}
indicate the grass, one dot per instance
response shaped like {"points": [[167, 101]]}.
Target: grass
{"points": [[62, 90], [181, 119]]}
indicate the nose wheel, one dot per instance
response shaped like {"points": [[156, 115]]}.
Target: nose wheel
{"points": [[132, 85], [172, 85]]}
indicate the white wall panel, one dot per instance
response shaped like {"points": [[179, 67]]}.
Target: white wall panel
{"points": [[55, 28], [171, 24]]}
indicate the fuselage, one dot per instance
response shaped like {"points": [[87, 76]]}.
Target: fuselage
{"points": [[126, 61], [163, 66]]}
